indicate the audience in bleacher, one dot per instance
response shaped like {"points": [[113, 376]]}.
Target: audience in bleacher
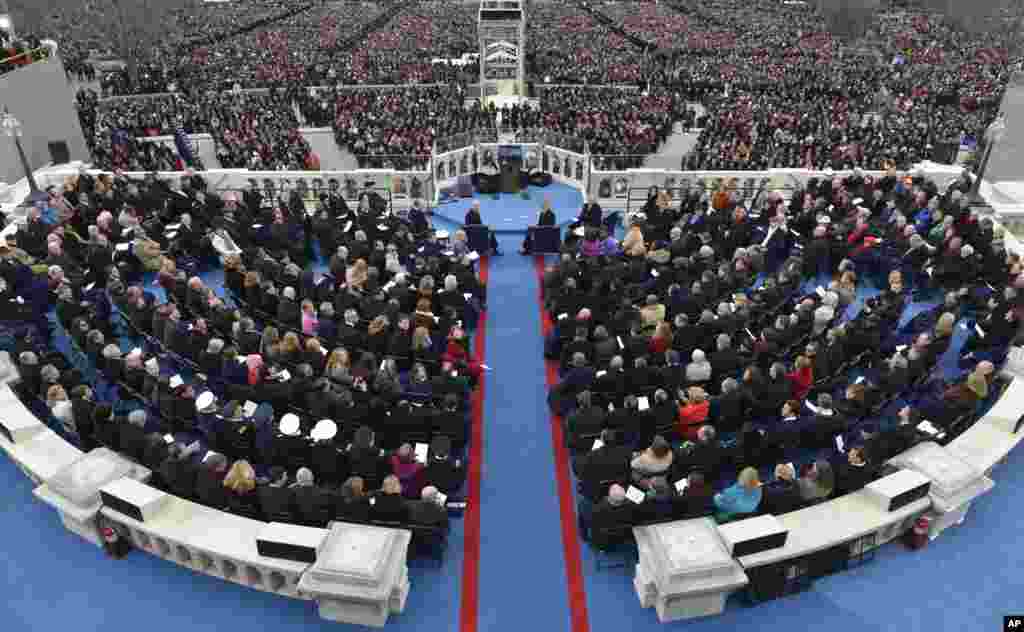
{"points": [[387, 407], [803, 371]]}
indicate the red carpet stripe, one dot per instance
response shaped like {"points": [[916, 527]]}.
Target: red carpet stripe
{"points": [[471, 518], [566, 506]]}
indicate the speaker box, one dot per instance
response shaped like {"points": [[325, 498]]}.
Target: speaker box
{"points": [[131, 498], [753, 535], [59, 152], [898, 489], [290, 542]]}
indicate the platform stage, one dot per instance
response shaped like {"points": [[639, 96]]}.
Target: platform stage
{"points": [[509, 212]]}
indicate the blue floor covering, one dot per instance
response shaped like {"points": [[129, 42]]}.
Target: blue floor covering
{"points": [[965, 581], [511, 212]]}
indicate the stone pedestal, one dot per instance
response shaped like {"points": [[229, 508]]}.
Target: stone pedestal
{"points": [[75, 490], [360, 575], [685, 570], [955, 482]]}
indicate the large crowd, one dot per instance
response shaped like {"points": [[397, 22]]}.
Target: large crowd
{"points": [[395, 127], [567, 45], [251, 130], [777, 88], [415, 46]]}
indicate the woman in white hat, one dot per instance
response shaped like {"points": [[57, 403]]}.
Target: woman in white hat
{"points": [[290, 447]]}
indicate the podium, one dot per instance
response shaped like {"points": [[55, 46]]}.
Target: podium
{"points": [[360, 575], [510, 176], [955, 483], [685, 570], [75, 490]]}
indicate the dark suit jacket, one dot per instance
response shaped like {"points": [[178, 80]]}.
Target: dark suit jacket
{"points": [[132, 440], [585, 422], [389, 508], [244, 504], [427, 513], [850, 478], [727, 411], [277, 504], [210, 488], [889, 443], [590, 215], [608, 463], [779, 497], [693, 503], [353, 511], [608, 516], [314, 505], [444, 475], [179, 476]]}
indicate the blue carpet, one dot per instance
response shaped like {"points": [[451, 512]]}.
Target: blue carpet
{"points": [[510, 212], [522, 569]]}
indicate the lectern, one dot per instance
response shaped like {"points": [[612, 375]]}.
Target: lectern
{"points": [[685, 570], [955, 483], [75, 490], [360, 575]]}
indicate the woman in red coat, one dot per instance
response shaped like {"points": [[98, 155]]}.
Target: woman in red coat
{"points": [[802, 377], [693, 412]]}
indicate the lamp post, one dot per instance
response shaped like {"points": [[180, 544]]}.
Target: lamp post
{"points": [[993, 134], [12, 128], [6, 22]]}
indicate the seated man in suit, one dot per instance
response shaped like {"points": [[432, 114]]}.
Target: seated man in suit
{"points": [[612, 513], [781, 494], [473, 219], [896, 439], [210, 490], [584, 423], [696, 500], [132, 435], [545, 218], [853, 473], [388, 505], [608, 461], [314, 504], [894, 378], [825, 423], [727, 410], [177, 471], [578, 378], [428, 511], [443, 471], [277, 501]]}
